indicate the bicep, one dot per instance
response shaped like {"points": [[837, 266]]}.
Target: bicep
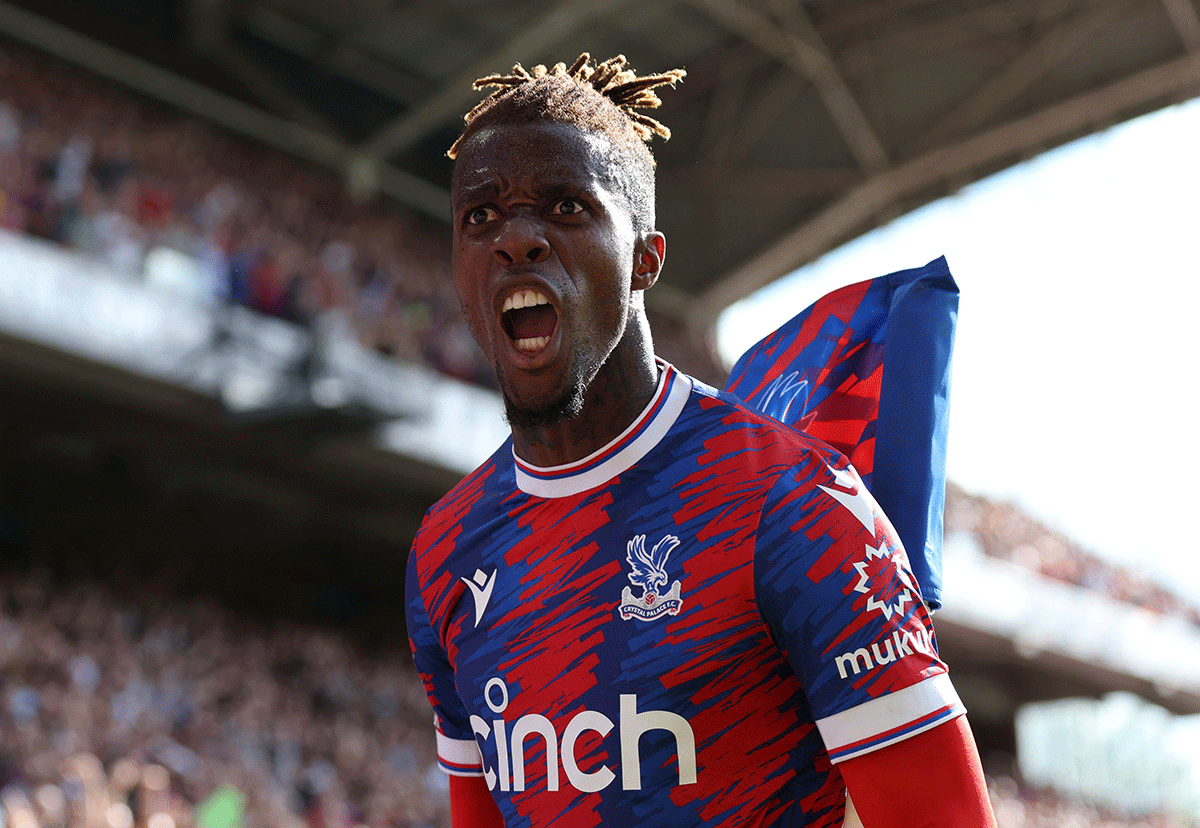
{"points": [[931, 780]]}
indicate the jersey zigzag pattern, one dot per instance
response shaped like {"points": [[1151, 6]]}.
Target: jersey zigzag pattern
{"points": [[689, 628]]}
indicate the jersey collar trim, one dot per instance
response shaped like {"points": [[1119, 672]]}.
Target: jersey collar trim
{"points": [[618, 456]]}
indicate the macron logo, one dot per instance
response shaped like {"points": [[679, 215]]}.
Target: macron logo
{"points": [[481, 590], [850, 493]]}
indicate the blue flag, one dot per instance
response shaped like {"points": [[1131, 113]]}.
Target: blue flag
{"points": [[866, 369]]}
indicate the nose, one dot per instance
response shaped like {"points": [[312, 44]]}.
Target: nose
{"points": [[520, 241]]}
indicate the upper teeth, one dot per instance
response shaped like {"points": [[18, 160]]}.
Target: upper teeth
{"points": [[524, 299]]}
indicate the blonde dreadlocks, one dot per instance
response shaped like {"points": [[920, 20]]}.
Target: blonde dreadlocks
{"points": [[610, 79], [601, 99]]}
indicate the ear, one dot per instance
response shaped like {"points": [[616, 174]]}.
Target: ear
{"points": [[648, 258]]}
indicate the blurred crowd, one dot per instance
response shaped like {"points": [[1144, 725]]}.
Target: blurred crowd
{"points": [[164, 198], [1004, 531], [176, 203], [141, 710], [1018, 806]]}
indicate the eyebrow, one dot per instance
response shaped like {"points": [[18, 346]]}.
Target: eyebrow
{"points": [[468, 194], [473, 193]]}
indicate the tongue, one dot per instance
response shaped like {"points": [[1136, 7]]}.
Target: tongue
{"points": [[532, 322]]}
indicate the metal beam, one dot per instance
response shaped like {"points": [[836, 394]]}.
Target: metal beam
{"points": [[457, 95], [839, 18], [832, 87], [1185, 17], [716, 139], [1020, 75], [1173, 81], [800, 46], [764, 110], [207, 21], [729, 93], [230, 113], [337, 54], [208, 25], [788, 184], [792, 186], [966, 29], [267, 89]]}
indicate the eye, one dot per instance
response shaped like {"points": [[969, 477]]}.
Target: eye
{"points": [[569, 207], [481, 215]]}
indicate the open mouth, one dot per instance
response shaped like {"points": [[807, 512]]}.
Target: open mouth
{"points": [[529, 320]]}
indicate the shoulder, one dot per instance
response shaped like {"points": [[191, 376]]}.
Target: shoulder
{"points": [[812, 490], [726, 427], [781, 478], [491, 481], [486, 479]]}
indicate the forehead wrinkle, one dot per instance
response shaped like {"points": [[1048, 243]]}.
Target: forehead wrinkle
{"points": [[592, 158], [490, 184]]}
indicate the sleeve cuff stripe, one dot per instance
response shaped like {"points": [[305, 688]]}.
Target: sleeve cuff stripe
{"points": [[458, 753], [890, 717], [897, 734], [459, 770]]}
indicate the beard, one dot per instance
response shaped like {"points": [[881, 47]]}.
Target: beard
{"points": [[566, 406]]}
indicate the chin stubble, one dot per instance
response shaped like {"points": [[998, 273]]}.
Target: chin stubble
{"points": [[566, 407]]}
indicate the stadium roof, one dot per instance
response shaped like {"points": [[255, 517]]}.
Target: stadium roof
{"points": [[799, 127]]}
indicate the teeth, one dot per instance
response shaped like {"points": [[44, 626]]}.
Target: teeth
{"points": [[535, 343], [525, 298]]}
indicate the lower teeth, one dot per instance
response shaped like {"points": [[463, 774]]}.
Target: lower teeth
{"points": [[535, 343]]}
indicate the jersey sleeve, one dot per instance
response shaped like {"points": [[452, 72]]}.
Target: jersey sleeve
{"points": [[458, 754], [833, 583]]}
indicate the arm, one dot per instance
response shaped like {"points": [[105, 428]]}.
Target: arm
{"points": [[931, 780], [471, 804], [852, 623]]}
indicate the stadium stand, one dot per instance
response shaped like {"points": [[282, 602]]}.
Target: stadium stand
{"points": [[164, 198], [167, 199], [124, 706], [124, 702], [1007, 533]]}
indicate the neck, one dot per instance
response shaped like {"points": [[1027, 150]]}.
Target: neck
{"points": [[619, 393]]}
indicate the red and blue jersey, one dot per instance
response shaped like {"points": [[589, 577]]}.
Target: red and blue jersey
{"points": [[691, 627]]}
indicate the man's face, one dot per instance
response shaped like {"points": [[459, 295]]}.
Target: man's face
{"points": [[545, 257]]}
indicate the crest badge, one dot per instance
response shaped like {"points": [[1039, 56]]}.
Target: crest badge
{"points": [[648, 570]]}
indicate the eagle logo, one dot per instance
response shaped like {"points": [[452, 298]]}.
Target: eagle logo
{"points": [[648, 570]]}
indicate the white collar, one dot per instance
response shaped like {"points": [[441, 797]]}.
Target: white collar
{"points": [[619, 455]]}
